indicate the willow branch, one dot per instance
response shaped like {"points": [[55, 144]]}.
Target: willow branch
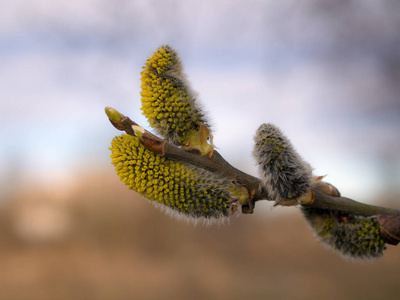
{"points": [[349, 206], [217, 164]]}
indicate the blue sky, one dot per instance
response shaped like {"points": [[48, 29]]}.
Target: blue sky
{"points": [[319, 71]]}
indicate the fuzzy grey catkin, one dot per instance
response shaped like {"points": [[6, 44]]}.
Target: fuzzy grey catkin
{"points": [[353, 236], [285, 175]]}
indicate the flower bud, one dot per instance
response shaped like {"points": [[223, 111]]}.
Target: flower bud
{"points": [[113, 114], [114, 117], [285, 175], [390, 228]]}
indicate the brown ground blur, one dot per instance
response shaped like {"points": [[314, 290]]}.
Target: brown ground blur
{"points": [[98, 240]]}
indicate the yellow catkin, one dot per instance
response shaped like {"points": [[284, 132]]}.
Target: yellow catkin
{"points": [[167, 99], [354, 236], [187, 190]]}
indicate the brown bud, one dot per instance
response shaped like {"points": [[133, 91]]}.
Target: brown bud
{"points": [[390, 228], [343, 218], [326, 188], [247, 209]]}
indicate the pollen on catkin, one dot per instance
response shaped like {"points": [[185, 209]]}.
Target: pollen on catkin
{"points": [[181, 190], [168, 102], [285, 175], [353, 236]]}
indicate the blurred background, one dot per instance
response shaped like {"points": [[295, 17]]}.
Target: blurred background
{"points": [[326, 72]]}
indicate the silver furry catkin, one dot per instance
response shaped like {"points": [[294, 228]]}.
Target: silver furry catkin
{"points": [[285, 175]]}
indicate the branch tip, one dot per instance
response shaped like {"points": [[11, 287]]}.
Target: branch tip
{"points": [[115, 117]]}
